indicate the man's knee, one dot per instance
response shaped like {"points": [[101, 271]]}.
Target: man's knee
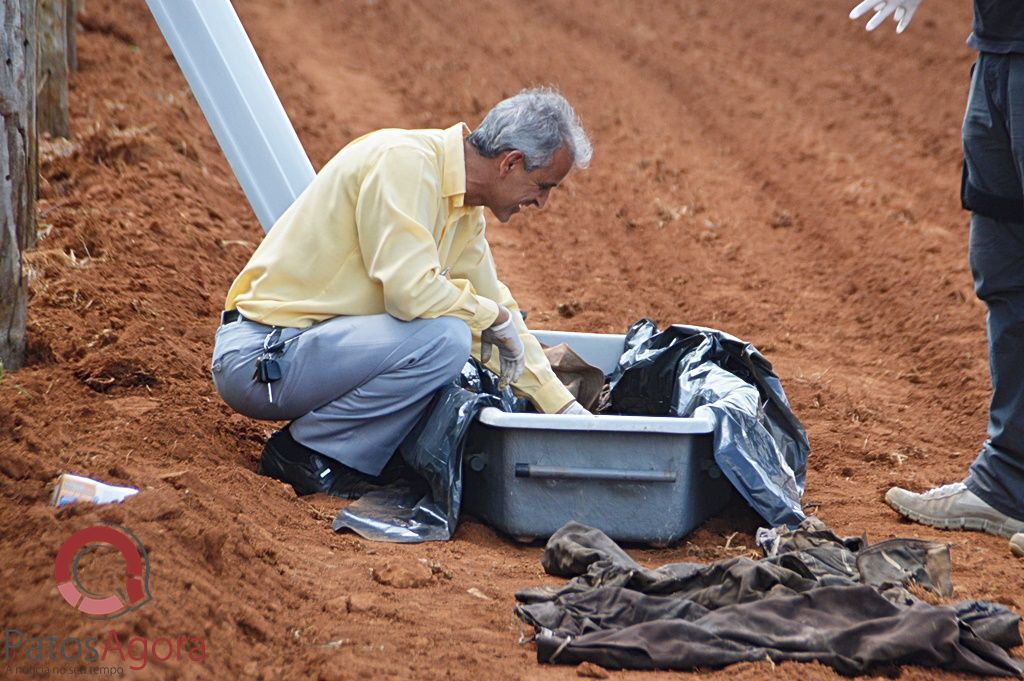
{"points": [[448, 348], [453, 341]]}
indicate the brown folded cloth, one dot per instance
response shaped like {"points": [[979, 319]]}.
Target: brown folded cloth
{"points": [[583, 380]]}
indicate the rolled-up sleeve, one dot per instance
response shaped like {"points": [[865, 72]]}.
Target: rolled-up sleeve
{"points": [[398, 198], [538, 382]]}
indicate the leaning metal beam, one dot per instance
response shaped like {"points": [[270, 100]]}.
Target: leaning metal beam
{"points": [[238, 101]]}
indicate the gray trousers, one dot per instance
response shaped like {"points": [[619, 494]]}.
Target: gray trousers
{"points": [[352, 387], [993, 135]]}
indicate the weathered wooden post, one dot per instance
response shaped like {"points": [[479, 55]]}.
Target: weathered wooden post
{"points": [[72, 32], [52, 67], [18, 171]]}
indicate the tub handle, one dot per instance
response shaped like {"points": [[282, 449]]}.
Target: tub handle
{"points": [[528, 470]]}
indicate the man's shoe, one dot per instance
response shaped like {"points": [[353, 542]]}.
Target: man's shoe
{"points": [[1017, 544], [310, 472], [306, 470], [952, 507]]}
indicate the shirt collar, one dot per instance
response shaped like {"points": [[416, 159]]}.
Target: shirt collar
{"points": [[453, 181]]}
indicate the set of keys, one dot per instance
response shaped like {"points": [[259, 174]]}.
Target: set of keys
{"points": [[267, 368]]}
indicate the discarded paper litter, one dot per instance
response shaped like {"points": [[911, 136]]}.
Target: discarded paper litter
{"points": [[72, 488]]}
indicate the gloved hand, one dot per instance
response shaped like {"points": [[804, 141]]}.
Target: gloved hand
{"points": [[510, 349], [902, 12], [575, 408]]}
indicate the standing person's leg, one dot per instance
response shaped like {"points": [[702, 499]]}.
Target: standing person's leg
{"points": [[993, 130], [997, 262], [353, 386]]}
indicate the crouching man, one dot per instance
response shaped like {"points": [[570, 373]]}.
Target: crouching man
{"points": [[371, 290]]}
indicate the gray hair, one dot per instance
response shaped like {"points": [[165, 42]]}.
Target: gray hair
{"points": [[537, 122]]}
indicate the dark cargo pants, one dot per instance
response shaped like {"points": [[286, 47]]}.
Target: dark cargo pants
{"points": [[993, 137]]}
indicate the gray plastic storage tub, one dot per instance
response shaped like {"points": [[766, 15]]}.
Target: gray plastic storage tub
{"points": [[637, 478]]}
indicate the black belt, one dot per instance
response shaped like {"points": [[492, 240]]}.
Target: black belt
{"points": [[228, 316]]}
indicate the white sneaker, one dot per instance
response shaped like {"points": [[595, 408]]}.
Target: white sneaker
{"points": [[952, 507], [1017, 544]]}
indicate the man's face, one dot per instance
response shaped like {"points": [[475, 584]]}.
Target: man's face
{"points": [[515, 188]]}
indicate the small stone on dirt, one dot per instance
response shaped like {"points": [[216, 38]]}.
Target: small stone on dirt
{"points": [[570, 309], [589, 670], [133, 407], [477, 593], [781, 219], [359, 602], [437, 568], [407, 576]]}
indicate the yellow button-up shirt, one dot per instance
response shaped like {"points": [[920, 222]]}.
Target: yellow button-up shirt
{"points": [[383, 228]]}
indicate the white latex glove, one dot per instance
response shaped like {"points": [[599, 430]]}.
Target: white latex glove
{"points": [[576, 409], [902, 11], [511, 352]]}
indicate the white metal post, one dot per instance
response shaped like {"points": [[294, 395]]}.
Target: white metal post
{"points": [[239, 102]]}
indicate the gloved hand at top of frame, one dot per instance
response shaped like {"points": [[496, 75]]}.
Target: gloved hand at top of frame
{"points": [[902, 11]]}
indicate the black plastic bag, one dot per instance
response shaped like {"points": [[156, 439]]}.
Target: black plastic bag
{"points": [[479, 379], [760, 445], [426, 507]]}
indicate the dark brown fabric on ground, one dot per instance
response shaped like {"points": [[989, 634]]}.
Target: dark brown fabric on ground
{"points": [[682, 616], [852, 629], [894, 562]]}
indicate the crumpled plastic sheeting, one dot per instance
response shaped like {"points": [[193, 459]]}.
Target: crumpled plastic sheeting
{"points": [[759, 443], [478, 379], [426, 509]]}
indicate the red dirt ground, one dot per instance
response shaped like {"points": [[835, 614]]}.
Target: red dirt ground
{"points": [[766, 168]]}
